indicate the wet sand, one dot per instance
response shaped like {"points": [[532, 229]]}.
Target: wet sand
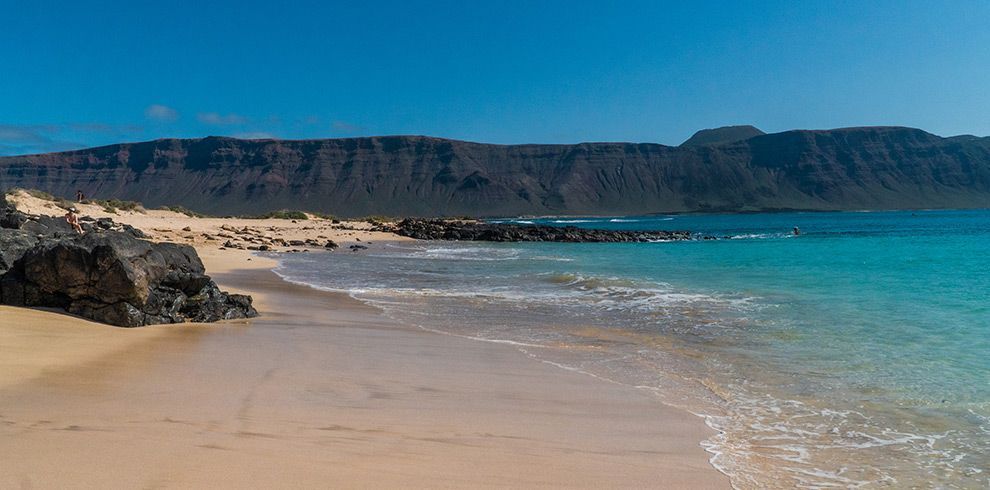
{"points": [[321, 391]]}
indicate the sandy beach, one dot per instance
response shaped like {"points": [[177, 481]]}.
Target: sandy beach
{"points": [[320, 391]]}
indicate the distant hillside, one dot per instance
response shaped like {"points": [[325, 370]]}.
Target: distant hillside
{"points": [[725, 134], [854, 168]]}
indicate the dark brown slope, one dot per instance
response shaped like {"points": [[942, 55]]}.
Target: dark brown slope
{"points": [[855, 168]]}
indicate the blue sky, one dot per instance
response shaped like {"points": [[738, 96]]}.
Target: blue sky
{"points": [[74, 75]]}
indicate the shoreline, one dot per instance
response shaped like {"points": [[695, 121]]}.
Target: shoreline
{"points": [[297, 397]]}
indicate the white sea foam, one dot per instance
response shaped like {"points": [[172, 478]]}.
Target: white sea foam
{"points": [[552, 258], [484, 254], [630, 220], [760, 236]]}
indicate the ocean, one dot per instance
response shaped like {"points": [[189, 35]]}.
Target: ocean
{"points": [[856, 354]]}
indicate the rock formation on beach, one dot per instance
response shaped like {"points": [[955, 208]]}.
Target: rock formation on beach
{"points": [[852, 168], [442, 229], [111, 276]]}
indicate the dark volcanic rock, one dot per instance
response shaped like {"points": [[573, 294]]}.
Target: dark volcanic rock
{"points": [[10, 218], [723, 135], [13, 245], [110, 276], [13, 240], [115, 278], [439, 229], [851, 168]]}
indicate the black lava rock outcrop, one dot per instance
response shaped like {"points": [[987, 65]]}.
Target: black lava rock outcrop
{"points": [[440, 229], [106, 275]]}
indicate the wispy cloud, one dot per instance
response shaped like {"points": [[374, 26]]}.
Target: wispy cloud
{"points": [[215, 119], [20, 133], [23, 139], [345, 127], [103, 128], [161, 113]]}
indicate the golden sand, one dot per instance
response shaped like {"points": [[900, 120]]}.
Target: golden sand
{"points": [[213, 233], [319, 392]]}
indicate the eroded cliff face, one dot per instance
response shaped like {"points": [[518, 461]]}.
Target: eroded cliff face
{"points": [[856, 168]]}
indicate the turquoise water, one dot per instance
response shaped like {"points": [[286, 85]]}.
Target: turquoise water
{"points": [[855, 354]]}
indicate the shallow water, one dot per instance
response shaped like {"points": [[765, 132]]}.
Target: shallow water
{"points": [[855, 354]]}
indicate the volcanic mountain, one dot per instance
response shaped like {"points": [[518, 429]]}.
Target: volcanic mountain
{"points": [[731, 171], [725, 134]]}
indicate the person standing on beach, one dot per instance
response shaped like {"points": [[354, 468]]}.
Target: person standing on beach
{"points": [[80, 197]]}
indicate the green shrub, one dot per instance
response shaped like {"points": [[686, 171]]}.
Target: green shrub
{"points": [[185, 211], [32, 192], [112, 205], [58, 201], [42, 195], [377, 219], [326, 216]]}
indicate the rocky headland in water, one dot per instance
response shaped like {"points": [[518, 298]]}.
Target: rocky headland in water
{"points": [[471, 230]]}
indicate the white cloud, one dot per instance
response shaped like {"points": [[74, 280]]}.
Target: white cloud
{"points": [[345, 127], [158, 112], [216, 119]]}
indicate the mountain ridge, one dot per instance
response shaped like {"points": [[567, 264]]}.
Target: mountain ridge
{"points": [[886, 167], [724, 134]]}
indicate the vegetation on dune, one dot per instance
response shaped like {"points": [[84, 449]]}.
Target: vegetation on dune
{"points": [[281, 214], [326, 216], [109, 205], [36, 193], [58, 201], [113, 205], [185, 211], [377, 219]]}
